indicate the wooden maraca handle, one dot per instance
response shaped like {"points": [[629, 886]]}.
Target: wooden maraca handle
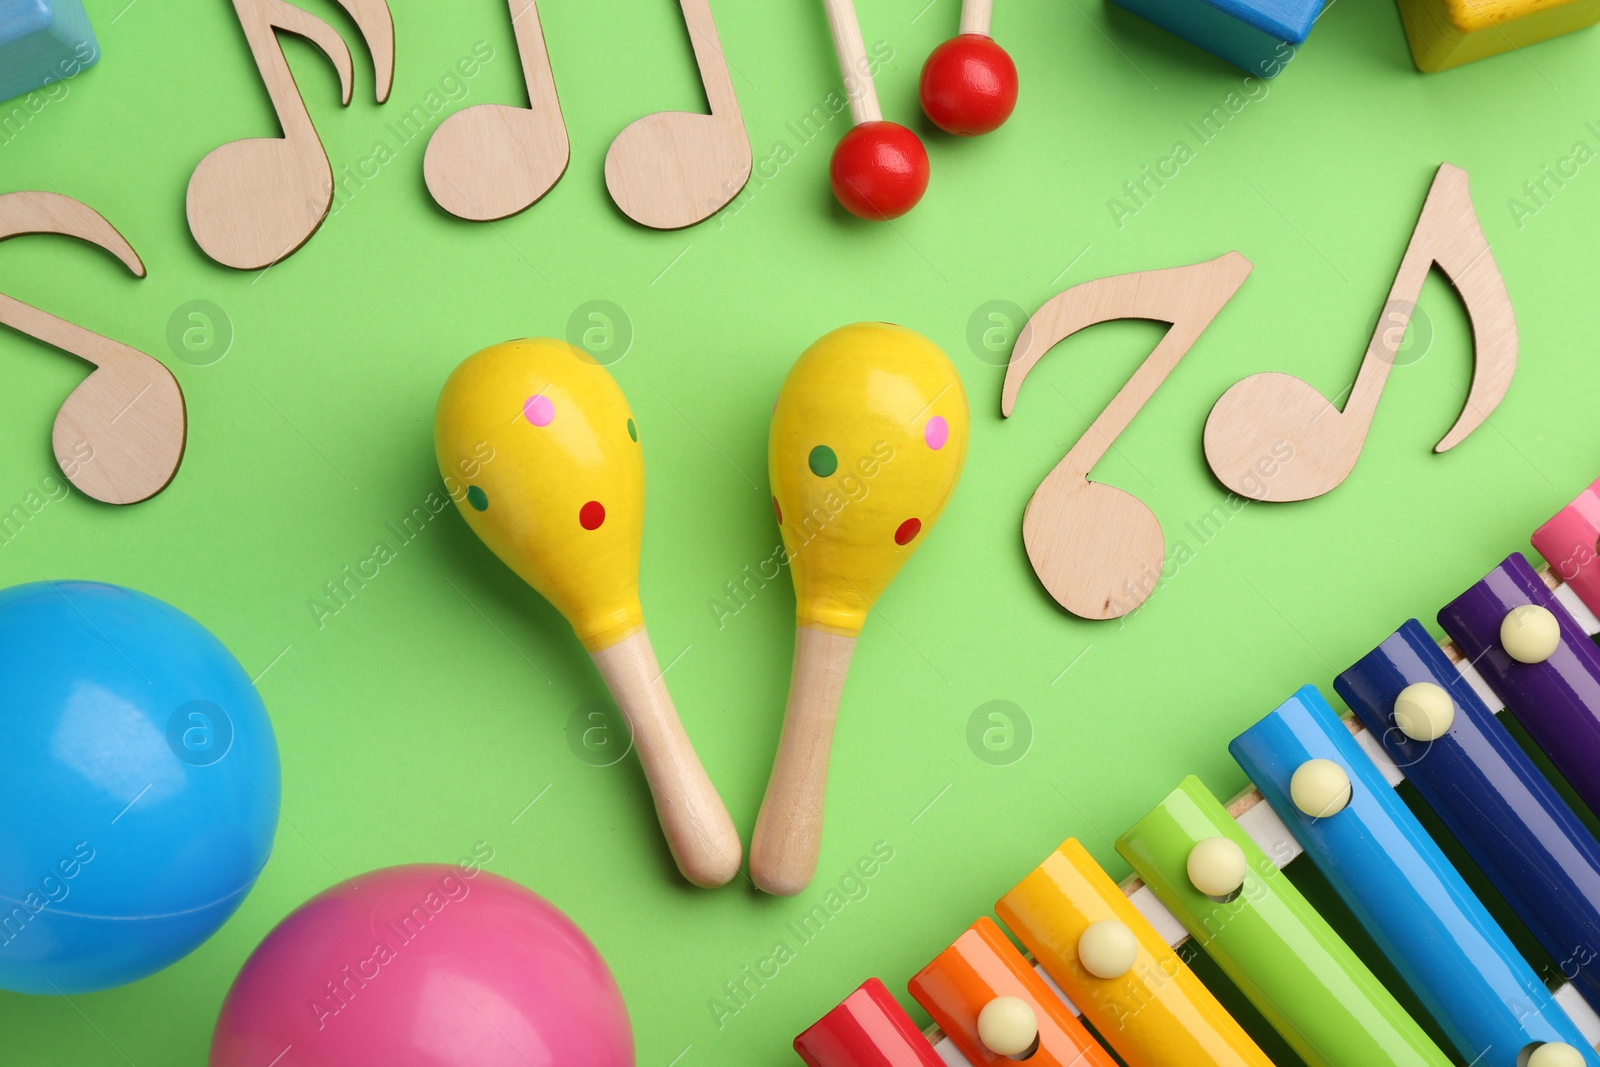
{"points": [[783, 853], [693, 817]]}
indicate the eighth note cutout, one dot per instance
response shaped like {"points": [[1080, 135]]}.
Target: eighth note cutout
{"points": [[1272, 410], [1098, 549], [255, 201], [667, 170], [119, 435]]}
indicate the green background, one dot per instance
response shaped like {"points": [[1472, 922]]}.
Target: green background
{"points": [[428, 712]]}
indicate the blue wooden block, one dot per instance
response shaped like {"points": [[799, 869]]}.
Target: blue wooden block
{"points": [[1257, 36], [42, 41]]}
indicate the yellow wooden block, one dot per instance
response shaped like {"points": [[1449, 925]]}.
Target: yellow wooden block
{"points": [[1448, 33]]}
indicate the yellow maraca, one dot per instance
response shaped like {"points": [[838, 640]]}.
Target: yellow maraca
{"points": [[547, 446], [868, 438]]}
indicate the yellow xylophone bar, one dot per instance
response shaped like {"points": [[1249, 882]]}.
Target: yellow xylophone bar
{"points": [[1160, 1027]]}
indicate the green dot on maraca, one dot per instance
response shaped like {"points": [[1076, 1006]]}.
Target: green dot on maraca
{"points": [[477, 498], [823, 462]]}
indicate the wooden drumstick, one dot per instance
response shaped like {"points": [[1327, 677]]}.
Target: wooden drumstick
{"points": [[868, 440], [879, 169], [969, 83], [541, 454], [976, 16]]}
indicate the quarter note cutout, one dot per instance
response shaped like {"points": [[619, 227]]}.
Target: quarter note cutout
{"points": [[119, 435], [675, 168], [1096, 548], [1267, 411], [253, 202], [488, 161]]}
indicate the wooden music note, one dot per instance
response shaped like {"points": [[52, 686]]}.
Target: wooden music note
{"points": [[1094, 547], [675, 168], [1270, 411], [255, 201], [119, 435], [492, 160]]}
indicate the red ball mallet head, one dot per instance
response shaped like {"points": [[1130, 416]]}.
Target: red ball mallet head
{"points": [[879, 169], [969, 84]]}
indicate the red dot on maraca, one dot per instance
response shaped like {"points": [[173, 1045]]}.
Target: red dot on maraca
{"points": [[879, 170], [969, 85], [591, 515]]}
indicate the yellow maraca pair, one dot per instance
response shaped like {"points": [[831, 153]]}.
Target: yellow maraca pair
{"points": [[868, 439]]}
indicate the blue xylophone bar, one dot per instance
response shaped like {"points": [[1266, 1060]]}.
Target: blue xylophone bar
{"points": [[1487, 791], [1473, 981]]}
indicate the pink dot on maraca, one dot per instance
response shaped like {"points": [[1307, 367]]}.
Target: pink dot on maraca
{"points": [[433, 964], [969, 85], [538, 410], [879, 170]]}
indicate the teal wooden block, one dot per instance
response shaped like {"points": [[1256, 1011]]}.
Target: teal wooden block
{"points": [[42, 41], [1257, 36]]}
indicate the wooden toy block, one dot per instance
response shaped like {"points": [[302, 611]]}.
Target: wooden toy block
{"points": [[1448, 33], [42, 41], [1257, 36]]}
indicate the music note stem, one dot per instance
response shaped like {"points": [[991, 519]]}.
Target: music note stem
{"points": [[853, 65], [531, 49], [708, 57], [260, 20], [1188, 297]]}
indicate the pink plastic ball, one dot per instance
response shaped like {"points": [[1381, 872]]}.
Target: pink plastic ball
{"points": [[428, 965]]}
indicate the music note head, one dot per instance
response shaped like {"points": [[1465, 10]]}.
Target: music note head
{"points": [[868, 439], [969, 85], [1274, 437], [253, 202], [119, 435], [1097, 550], [541, 454], [675, 168], [879, 170], [489, 161]]}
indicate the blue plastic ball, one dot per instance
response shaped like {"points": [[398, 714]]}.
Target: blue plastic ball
{"points": [[138, 786]]}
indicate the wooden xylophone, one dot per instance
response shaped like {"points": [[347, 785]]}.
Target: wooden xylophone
{"points": [[1520, 640]]}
